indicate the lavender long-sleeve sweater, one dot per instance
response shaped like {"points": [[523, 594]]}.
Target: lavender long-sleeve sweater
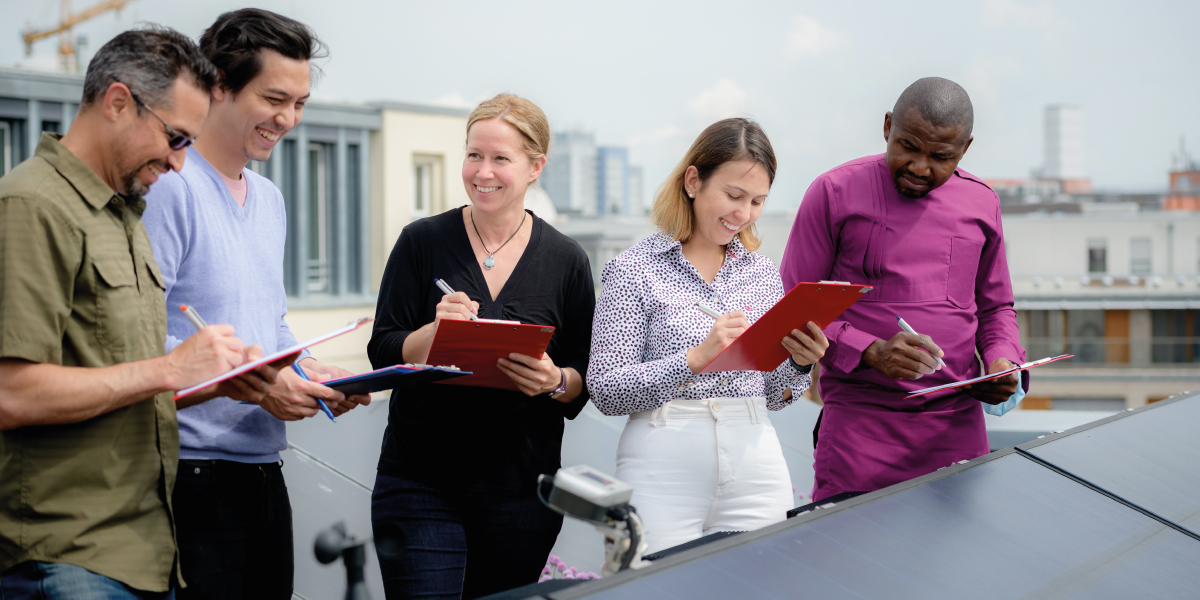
{"points": [[226, 261]]}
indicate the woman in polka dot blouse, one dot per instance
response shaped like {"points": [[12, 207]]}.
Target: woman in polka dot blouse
{"points": [[699, 448]]}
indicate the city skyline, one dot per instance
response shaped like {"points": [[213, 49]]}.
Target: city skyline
{"points": [[818, 77]]}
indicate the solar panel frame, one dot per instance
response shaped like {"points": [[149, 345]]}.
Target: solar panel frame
{"points": [[1159, 480], [745, 587]]}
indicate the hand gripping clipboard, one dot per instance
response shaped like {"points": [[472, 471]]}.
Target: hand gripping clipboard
{"points": [[476, 346], [957, 384], [760, 347], [392, 378], [250, 366]]}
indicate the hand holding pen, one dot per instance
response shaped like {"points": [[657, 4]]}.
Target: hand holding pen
{"points": [[286, 400], [321, 403], [251, 385], [928, 339], [725, 329], [908, 355], [455, 305]]}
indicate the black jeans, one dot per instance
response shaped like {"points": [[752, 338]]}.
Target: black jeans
{"points": [[234, 525], [460, 545]]}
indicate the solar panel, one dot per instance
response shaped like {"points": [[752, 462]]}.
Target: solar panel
{"points": [[1003, 526], [1150, 458]]}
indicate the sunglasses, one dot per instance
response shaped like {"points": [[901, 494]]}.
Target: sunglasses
{"points": [[176, 140]]}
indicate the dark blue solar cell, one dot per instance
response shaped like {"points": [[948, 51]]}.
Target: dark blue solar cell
{"points": [[1150, 458], [1005, 528]]}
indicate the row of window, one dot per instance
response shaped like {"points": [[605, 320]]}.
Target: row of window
{"points": [[1112, 336], [1140, 260]]}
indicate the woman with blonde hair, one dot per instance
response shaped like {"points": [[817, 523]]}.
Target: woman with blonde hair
{"points": [[459, 465], [698, 448]]}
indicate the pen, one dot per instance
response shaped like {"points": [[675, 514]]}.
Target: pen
{"points": [[708, 311], [449, 290], [300, 371], [193, 316], [905, 327]]}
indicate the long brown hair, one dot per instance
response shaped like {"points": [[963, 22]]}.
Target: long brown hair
{"points": [[721, 142]]}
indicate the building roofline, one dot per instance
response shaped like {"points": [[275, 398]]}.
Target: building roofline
{"points": [[427, 109]]}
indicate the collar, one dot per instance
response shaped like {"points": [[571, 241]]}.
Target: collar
{"points": [[661, 242], [81, 177]]}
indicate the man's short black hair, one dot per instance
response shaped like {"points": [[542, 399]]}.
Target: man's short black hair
{"points": [[940, 101], [148, 59], [233, 43]]}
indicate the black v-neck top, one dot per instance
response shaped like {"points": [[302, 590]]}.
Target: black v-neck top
{"points": [[472, 439]]}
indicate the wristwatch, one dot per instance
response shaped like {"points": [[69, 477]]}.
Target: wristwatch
{"points": [[562, 389], [804, 370]]}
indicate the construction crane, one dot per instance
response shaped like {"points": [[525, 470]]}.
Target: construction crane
{"points": [[67, 21]]}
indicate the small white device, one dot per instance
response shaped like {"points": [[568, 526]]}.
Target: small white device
{"points": [[590, 495]]}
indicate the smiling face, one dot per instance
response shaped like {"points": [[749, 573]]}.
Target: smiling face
{"points": [[920, 155], [261, 113], [140, 152], [729, 202], [496, 170]]}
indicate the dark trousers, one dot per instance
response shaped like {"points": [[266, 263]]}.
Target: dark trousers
{"points": [[460, 545], [234, 525]]}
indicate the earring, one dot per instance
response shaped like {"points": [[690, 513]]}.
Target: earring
{"points": [[691, 194]]}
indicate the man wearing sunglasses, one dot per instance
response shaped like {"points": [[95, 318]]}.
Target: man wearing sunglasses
{"points": [[88, 435], [218, 231]]}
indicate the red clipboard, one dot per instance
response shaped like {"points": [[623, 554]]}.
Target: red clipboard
{"points": [[476, 346], [250, 366], [759, 348], [957, 384]]}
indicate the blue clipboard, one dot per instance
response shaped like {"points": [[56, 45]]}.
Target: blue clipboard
{"points": [[392, 378]]}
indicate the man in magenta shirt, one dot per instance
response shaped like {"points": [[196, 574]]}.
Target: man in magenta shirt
{"points": [[928, 237]]}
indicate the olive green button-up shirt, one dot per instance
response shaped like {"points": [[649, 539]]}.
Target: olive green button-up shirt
{"points": [[79, 287]]}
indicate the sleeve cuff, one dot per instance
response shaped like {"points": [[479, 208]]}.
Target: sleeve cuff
{"points": [[1014, 354], [850, 347]]}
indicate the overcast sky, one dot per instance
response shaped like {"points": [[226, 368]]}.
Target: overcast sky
{"points": [[818, 75]]}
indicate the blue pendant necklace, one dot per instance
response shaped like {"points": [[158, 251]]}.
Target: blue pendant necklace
{"points": [[490, 261]]}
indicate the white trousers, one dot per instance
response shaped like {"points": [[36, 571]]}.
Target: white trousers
{"points": [[702, 466]]}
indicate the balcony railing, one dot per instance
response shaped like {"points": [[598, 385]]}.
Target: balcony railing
{"points": [[1096, 351]]}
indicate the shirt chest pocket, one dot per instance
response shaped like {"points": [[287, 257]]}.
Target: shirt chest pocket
{"points": [[964, 267], [118, 303]]}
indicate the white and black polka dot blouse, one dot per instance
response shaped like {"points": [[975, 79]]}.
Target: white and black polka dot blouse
{"points": [[646, 321]]}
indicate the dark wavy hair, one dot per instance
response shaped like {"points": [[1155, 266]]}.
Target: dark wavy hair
{"points": [[234, 43]]}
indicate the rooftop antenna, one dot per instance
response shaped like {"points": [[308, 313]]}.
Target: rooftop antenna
{"points": [[68, 19]]}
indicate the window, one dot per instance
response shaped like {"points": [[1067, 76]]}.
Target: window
{"points": [[1046, 335], [1172, 332], [317, 267], [1139, 256], [1097, 256], [321, 172], [1085, 331], [422, 196], [6, 148]]}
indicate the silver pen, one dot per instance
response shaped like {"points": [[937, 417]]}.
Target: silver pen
{"points": [[908, 329], [449, 290], [193, 316], [708, 311]]}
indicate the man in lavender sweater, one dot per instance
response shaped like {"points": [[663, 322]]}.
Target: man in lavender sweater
{"points": [[927, 235], [218, 232]]}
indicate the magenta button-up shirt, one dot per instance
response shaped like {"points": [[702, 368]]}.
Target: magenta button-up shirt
{"points": [[939, 263]]}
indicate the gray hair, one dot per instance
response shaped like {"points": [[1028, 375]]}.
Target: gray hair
{"points": [[149, 60], [940, 101]]}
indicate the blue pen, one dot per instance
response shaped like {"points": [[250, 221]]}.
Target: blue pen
{"points": [[299, 371]]}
